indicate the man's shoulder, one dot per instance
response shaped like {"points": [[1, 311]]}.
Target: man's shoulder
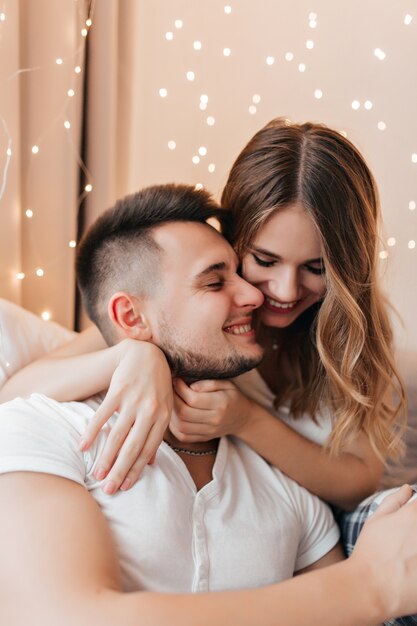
{"points": [[40, 411]]}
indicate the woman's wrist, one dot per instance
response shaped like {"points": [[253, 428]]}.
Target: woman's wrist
{"points": [[252, 417]]}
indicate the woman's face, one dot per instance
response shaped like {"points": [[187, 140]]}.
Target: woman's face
{"points": [[285, 263]]}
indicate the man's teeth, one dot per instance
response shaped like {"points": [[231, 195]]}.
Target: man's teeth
{"points": [[239, 330], [281, 305]]}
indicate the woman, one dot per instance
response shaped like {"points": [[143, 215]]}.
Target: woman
{"points": [[305, 224]]}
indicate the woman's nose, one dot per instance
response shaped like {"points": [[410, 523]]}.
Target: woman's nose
{"points": [[284, 286]]}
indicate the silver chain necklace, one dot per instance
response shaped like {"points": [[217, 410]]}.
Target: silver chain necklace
{"points": [[192, 452]]}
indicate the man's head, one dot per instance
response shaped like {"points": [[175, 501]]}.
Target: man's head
{"points": [[152, 269]]}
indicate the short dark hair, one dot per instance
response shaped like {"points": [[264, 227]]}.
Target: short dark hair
{"points": [[118, 251]]}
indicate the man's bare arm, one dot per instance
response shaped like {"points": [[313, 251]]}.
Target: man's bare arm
{"points": [[59, 566]]}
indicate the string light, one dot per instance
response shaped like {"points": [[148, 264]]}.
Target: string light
{"points": [[203, 106], [210, 120], [414, 157], [77, 69], [227, 9], [381, 125], [40, 272], [412, 205], [309, 44], [59, 61], [356, 105], [178, 24], [383, 254], [204, 98], [29, 213], [256, 98], [227, 52], [302, 67], [379, 54], [2, 17], [270, 60], [163, 92], [411, 244], [312, 23], [408, 19], [9, 152], [45, 315], [67, 124], [211, 168], [88, 22], [71, 93], [289, 56], [196, 159], [202, 151], [84, 32], [20, 275], [72, 243], [88, 188], [172, 145], [199, 186], [197, 45], [190, 76], [169, 36], [368, 105], [252, 109], [391, 241], [318, 94], [35, 149]]}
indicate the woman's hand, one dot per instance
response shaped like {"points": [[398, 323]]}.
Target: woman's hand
{"points": [[141, 391], [208, 409]]}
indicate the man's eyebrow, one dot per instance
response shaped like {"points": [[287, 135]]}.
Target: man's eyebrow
{"points": [[278, 258], [214, 267]]}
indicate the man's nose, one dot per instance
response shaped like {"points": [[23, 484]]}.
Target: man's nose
{"points": [[284, 286], [247, 295]]}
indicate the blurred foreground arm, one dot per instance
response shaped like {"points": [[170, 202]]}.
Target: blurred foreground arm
{"points": [[59, 566]]}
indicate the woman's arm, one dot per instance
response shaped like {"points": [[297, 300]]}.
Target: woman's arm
{"points": [[210, 409], [139, 385], [76, 370]]}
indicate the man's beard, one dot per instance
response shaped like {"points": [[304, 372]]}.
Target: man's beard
{"points": [[191, 366]]}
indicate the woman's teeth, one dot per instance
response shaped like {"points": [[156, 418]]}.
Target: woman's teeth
{"points": [[280, 305]]}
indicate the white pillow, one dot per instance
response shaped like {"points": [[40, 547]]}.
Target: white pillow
{"points": [[25, 337]]}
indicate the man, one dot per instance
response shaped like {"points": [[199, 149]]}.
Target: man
{"points": [[203, 518]]}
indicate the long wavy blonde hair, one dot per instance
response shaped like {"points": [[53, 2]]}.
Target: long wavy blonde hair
{"points": [[340, 351]]}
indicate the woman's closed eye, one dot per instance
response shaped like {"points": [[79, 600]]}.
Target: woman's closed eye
{"points": [[317, 270], [262, 262]]}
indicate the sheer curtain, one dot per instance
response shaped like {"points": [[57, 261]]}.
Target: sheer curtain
{"points": [[66, 105]]}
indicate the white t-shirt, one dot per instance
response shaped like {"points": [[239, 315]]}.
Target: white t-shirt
{"points": [[253, 385], [248, 527]]}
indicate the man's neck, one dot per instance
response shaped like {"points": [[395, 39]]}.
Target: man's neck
{"points": [[198, 446], [200, 466]]}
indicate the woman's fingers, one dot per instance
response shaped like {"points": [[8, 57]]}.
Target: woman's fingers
{"points": [[146, 457], [115, 441], [138, 447], [103, 413], [203, 394]]}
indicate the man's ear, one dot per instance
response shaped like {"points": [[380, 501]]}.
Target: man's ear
{"points": [[125, 311]]}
